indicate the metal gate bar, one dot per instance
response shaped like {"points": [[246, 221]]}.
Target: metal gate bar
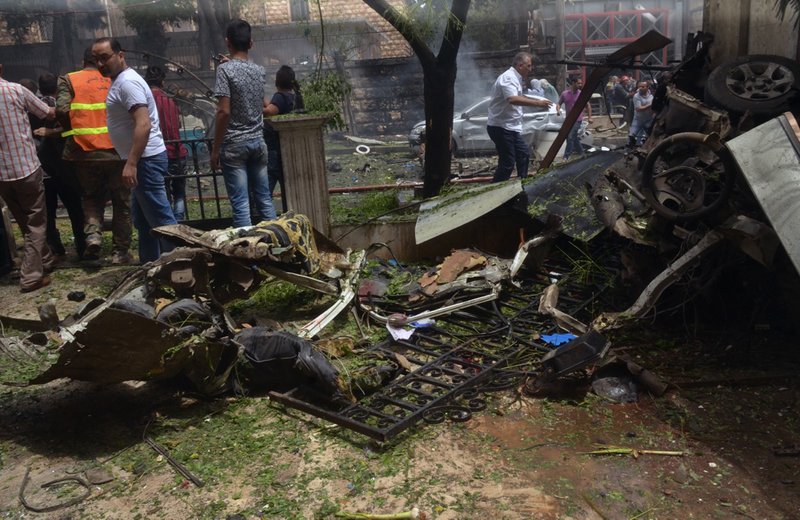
{"points": [[453, 370]]}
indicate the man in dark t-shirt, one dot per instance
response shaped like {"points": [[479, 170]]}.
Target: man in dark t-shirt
{"points": [[239, 146]]}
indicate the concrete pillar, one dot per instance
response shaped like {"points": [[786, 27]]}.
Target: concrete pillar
{"points": [[304, 175], [743, 27], [726, 19], [768, 35], [561, 47]]}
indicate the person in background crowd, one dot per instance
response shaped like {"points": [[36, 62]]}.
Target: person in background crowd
{"points": [[285, 100], [169, 119], [239, 146], [81, 108], [608, 93], [504, 123], [568, 99], [135, 131], [619, 96], [21, 180], [59, 176], [30, 85], [624, 97], [642, 115], [550, 91], [536, 88]]}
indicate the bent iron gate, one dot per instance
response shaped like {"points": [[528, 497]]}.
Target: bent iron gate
{"points": [[481, 349]]}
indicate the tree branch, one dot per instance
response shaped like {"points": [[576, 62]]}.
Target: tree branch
{"points": [[454, 30], [405, 28]]}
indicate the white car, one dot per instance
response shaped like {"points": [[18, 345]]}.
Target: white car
{"points": [[539, 127]]}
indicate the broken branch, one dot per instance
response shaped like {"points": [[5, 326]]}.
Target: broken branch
{"points": [[615, 450], [414, 514]]}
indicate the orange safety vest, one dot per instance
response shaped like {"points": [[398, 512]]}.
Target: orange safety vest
{"points": [[87, 111]]}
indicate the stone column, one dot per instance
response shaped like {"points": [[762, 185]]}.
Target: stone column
{"points": [[304, 175]]}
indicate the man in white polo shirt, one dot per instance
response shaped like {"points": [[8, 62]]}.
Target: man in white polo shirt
{"points": [[134, 130], [504, 124]]}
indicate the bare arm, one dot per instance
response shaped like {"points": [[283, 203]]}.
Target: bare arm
{"points": [[48, 132], [270, 109], [528, 102], [141, 134], [223, 117]]}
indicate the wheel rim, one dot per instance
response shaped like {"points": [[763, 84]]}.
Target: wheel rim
{"points": [[759, 80]]}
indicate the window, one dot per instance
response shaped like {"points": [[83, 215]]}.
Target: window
{"points": [[298, 10]]}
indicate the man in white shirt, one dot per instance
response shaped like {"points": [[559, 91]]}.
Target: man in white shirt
{"points": [[134, 130], [504, 124]]}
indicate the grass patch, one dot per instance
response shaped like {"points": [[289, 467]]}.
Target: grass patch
{"points": [[359, 208], [280, 300]]}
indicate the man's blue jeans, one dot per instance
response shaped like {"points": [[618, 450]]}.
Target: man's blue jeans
{"points": [[150, 206], [639, 129], [511, 151], [244, 168], [574, 145]]}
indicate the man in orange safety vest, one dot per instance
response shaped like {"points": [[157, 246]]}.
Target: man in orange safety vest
{"points": [[81, 108]]}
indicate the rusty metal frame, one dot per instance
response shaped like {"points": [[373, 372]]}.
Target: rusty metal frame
{"points": [[480, 349]]}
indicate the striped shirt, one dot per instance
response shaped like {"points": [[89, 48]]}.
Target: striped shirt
{"points": [[17, 149], [168, 114]]}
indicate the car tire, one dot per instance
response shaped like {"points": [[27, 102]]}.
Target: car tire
{"points": [[762, 84]]}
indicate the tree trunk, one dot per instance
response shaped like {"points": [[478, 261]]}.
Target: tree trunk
{"points": [[561, 70], [439, 79], [62, 53], [438, 87], [211, 28], [347, 106], [152, 38]]}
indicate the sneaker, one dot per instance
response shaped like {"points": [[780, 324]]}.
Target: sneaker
{"points": [[44, 281], [121, 258]]}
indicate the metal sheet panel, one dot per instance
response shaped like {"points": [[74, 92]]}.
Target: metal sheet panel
{"points": [[768, 158], [440, 215]]}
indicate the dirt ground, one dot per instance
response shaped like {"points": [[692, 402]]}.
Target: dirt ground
{"points": [[729, 426], [521, 458]]}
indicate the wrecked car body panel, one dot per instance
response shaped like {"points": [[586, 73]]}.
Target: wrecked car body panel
{"points": [[442, 214], [124, 337], [139, 348], [769, 159], [564, 191]]}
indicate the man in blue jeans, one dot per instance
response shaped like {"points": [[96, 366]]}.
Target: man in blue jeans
{"points": [[238, 138], [134, 130], [504, 124]]}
